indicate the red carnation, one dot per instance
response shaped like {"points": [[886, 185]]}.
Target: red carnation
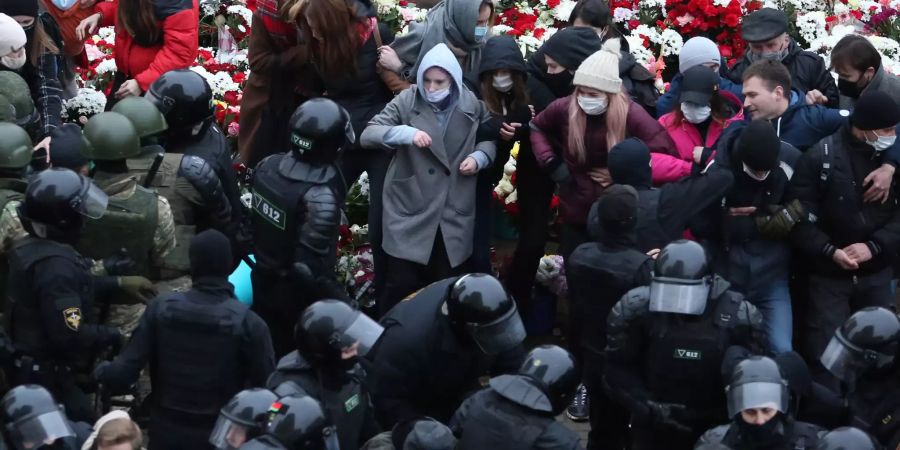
{"points": [[552, 3], [231, 97]]}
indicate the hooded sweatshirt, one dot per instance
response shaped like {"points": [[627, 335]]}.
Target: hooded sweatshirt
{"points": [[440, 56], [451, 22]]}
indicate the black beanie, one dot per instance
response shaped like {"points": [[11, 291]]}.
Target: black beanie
{"points": [[67, 147], [875, 111], [210, 254], [758, 146], [571, 46], [618, 208], [629, 163], [20, 8]]}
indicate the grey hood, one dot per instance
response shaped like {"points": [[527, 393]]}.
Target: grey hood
{"points": [[440, 56], [451, 21]]}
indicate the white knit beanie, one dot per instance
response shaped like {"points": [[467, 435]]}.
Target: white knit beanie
{"points": [[698, 50], [12, 36], [601, 70]]}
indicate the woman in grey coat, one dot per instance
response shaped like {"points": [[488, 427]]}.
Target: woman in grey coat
{"points": [[429, 189]]}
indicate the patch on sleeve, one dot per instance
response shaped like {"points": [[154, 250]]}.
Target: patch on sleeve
{"points": [[73, 318], [845, 113]]}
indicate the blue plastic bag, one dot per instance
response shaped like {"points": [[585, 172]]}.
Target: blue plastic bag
{"points": [[240, 278]]}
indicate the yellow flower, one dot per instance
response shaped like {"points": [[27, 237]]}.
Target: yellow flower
{"points": [[515, 150]]}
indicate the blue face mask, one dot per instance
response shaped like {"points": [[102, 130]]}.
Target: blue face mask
{"points": [[480, 33], [64, 5]]}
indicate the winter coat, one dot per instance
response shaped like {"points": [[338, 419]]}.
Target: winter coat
{"points": [[268, 55], [686, 136], [363, 95], [740, 252], [423, 188], [807, 70], [179, 47], [549, 140], [842, 217], [882, 82]]}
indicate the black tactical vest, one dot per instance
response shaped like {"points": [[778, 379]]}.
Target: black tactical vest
{"points": [[198, 364], [23, 313], [494, 422]]}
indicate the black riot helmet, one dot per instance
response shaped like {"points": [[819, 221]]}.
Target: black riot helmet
{"points": [[847, 438], [185, 100], [868, 340], [56, 202], [681, 279], [328, 327], [757, 382], [480, 305], [320, 129], [553, 370], [298, 422], [32, 418], [242, 418]]}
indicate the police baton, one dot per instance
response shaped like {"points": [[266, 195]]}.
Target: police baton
{"points": [[154, 168]]}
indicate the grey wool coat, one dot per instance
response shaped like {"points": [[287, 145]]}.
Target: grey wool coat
{"points": [[423, 188]]}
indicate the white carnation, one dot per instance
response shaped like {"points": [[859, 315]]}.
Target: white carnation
{"points": [[671, 42], [87, 102], [563, 10], [622, 14], [242, 11], [106, 66]]}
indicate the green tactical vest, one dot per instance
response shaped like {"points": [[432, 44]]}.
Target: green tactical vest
{"points": [[128, 223], [7, 194]]}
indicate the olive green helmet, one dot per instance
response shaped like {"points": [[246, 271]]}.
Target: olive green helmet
{"points": [[112, 137], [145, 116], [7, 110], [15, 89], [15, 147]]}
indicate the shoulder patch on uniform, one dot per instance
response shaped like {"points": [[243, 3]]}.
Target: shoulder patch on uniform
{"points": [[267, 210], [72, 317], [351, 403], [844, 113]]}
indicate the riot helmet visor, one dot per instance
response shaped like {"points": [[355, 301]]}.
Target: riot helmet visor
{"points": [[678, 296], [363, 331], [36, 431], [229, 434], [501, 335], [92, 202], [845, 360], [757, 394]]}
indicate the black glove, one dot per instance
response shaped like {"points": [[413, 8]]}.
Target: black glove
{"points": [[666, 415], [119, 264]]}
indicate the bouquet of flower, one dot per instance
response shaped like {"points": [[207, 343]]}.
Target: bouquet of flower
{"points": [[86, 104], [225, 23], [551, 273], [355, 267], [398, 14], [101, 68], [505, 192]]}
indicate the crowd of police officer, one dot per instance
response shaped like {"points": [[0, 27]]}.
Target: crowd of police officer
{"points": [[159, 216]]}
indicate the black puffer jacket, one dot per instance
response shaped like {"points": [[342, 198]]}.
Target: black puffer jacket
{"points": [[836, 204], [807, 70]]}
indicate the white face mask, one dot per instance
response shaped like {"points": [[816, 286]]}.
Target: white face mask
{"points": [[13, 62], [593, 106], [881, 143], [437, 96], [752, 174], [695, 113], [503, 83]]}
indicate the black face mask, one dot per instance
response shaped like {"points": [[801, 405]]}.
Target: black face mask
{"points": [[560, 83], [767, 435], [849, 88]]}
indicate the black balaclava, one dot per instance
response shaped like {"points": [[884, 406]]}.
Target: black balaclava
{"points": [[210, 255], [758, 146], [771, 434], [629, 163], [22, 8]]}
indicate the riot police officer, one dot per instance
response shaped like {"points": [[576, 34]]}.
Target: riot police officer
{"points": [[51, 291], [665, 347], [438, 342], [200, 157], [758, 403], [296, 422], [32, 420], [203, 346], [330, 337], [297, 200], [862, 354], [242, 419], [137, 219], [847, 438], [518, 411]]}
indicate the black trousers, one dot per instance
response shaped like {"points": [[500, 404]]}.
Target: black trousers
{"points": [[571, 237], [535, 190], [279, 302], [375, 164], [832, 300], [645, 438], [609, 419], [405, 277]]}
